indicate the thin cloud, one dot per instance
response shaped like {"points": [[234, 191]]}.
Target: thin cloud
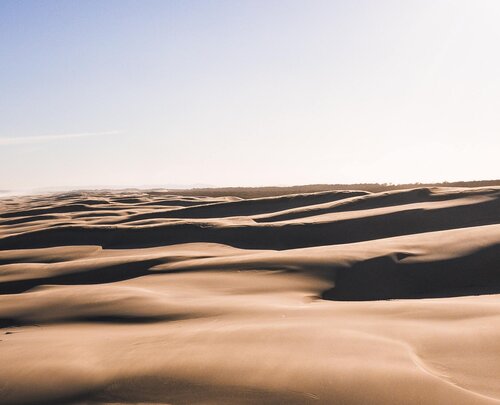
{"points": [[48, 138]]}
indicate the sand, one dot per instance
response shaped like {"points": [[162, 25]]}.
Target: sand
{"points": [[337, 297]]}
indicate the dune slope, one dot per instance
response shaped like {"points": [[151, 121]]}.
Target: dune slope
{"points": [[341, 297]]}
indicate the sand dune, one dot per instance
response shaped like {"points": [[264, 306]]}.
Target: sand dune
{"points": [[338, 297]]}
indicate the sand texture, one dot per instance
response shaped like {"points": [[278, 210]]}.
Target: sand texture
{"points": [[338, 297]]}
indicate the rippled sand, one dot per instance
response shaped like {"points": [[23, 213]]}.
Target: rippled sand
{"points": [[324, 298]]}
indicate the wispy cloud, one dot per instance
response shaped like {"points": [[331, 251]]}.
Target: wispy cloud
{"points": [[48, 138]]}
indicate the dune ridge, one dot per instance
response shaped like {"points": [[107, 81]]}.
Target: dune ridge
{"points": [[342, 297]]}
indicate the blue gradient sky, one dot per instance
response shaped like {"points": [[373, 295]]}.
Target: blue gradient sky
{"points": [[248, 92]]}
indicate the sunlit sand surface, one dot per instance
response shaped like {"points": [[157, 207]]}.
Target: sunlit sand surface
{"points": [[322, 298]]}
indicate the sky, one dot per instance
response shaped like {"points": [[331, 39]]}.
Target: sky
{"points": [[248, 93]]}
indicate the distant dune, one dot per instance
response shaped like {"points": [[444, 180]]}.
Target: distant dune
{"points": [[256, 192], [308, 295]]}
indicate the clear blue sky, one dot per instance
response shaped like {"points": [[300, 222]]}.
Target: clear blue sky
{"points": [[248, 92]]}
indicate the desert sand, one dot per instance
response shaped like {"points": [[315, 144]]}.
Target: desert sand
{"points": [[336, 297]]}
